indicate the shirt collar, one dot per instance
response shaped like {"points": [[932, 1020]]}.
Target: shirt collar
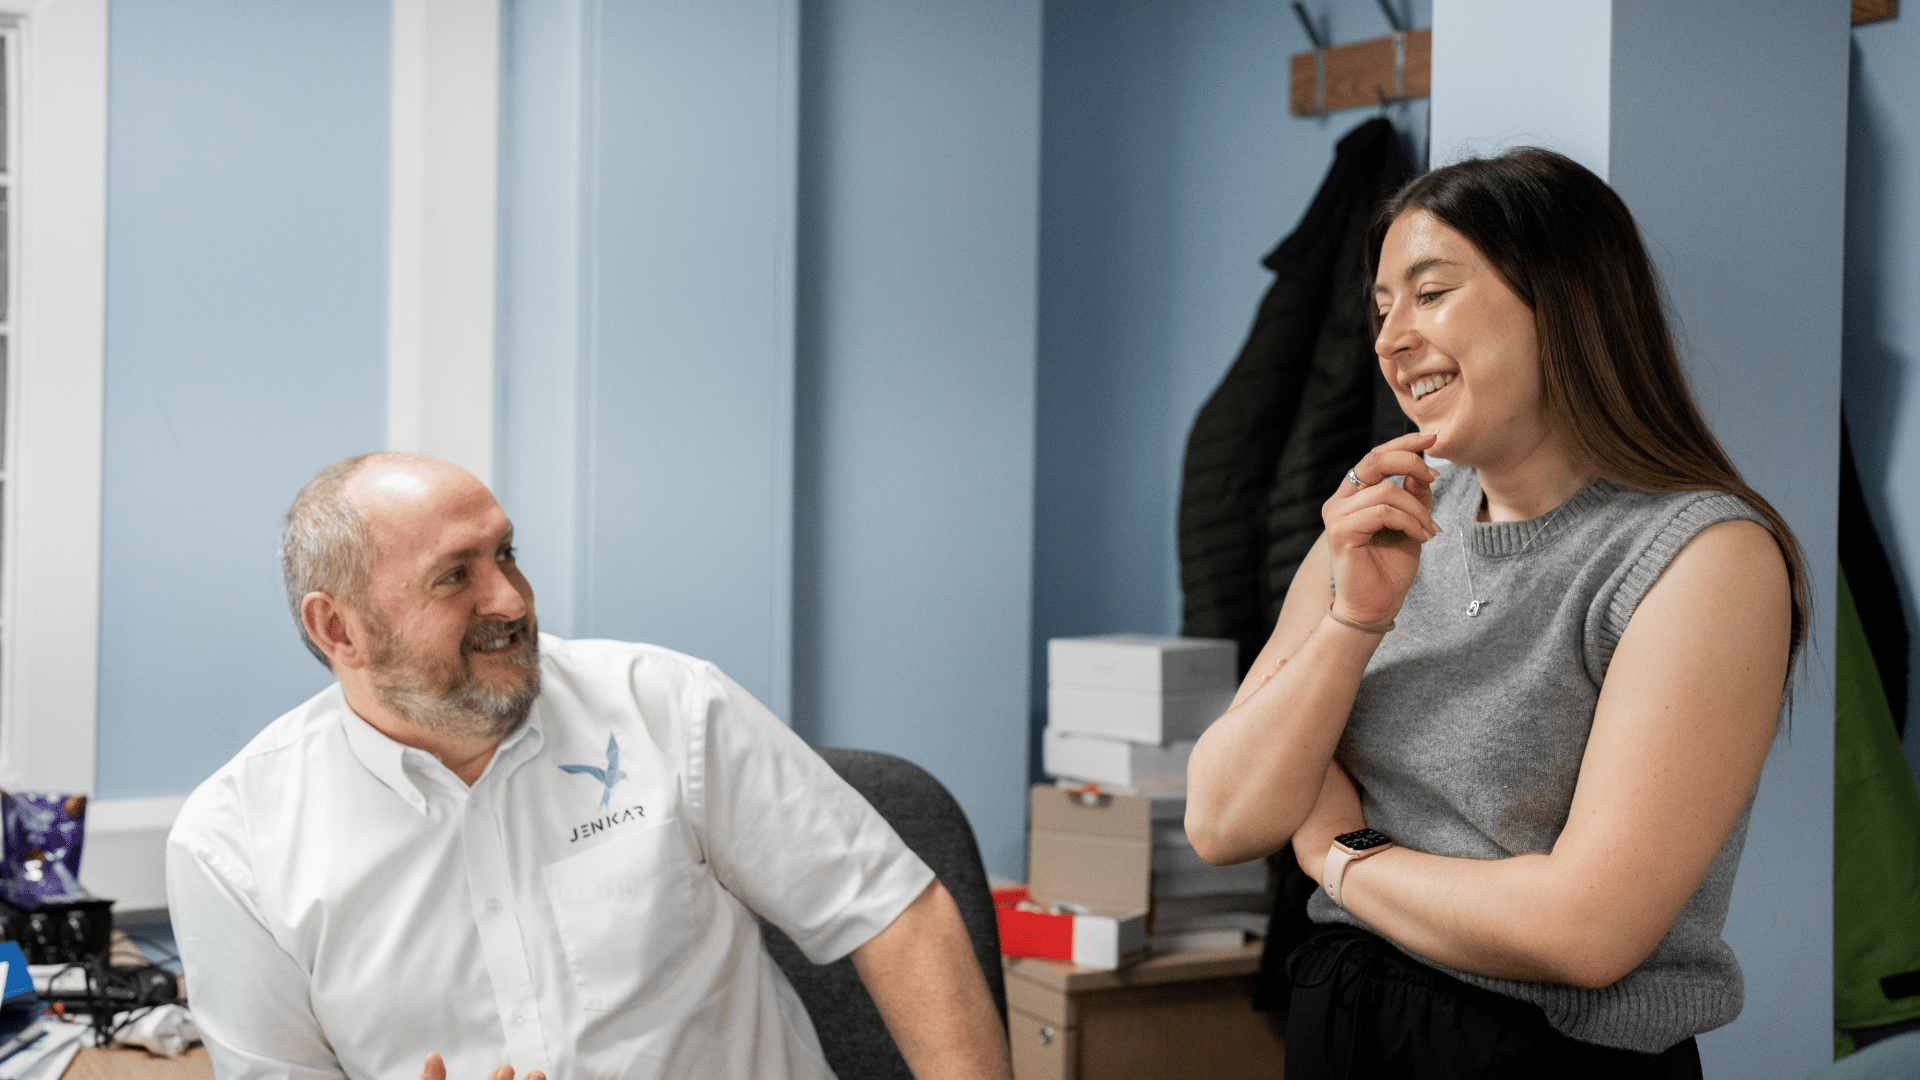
{"points": [[383, 757], [402, 768]]}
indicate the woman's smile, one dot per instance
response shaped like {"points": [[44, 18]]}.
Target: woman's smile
{"points": [[1431, 384]]}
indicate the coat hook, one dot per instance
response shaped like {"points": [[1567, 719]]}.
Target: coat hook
{"points": [[1319, 60], [1307, 24]]}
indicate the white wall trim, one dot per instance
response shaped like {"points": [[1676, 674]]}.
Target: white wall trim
{"points": [[442, 224], [51, 652]]}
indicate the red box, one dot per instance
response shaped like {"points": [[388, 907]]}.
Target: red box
{"points": [[1090, 940], [1029, 933]]}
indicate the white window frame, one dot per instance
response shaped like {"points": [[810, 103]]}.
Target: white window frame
{"points": [[50, 656], [446, 78]]}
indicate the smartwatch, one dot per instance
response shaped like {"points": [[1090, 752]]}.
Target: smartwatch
{"points": [[1351, 847]]}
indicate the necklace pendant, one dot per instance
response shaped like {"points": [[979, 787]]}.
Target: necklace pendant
{"points": [[1474, 608]]}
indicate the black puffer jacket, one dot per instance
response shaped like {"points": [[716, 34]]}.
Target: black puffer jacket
{"points": [[1301, 403]]}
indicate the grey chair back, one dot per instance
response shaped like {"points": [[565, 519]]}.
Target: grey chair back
{"points": [[928, 819]]}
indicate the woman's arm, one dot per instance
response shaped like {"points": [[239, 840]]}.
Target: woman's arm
{"points": [[1254, 774], [1684, 720]]}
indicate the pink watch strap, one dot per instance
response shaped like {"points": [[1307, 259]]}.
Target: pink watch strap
{"points": [[1339, 855], [1336, 868]]}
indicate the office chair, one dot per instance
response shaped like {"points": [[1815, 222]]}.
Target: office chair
{"points": [[931, 823]]}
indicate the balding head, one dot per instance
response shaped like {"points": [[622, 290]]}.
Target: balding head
{"points": [[328, 539]]}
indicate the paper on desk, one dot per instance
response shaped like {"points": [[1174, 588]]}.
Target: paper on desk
{"points": [[54, 1065], [49, 1057]]}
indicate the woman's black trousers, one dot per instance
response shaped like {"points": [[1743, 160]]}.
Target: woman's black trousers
{"points": [[1361, 1008]]}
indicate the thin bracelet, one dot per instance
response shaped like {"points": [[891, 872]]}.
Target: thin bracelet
{"points": [[1368, 628]]}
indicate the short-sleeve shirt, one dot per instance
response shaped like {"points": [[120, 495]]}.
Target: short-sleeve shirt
{"points": [[345, 904]]}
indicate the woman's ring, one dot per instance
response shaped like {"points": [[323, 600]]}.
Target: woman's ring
{"points": [[1355, 479]]}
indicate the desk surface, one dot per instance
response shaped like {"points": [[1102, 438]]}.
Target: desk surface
{"points": [[133, 1063]]}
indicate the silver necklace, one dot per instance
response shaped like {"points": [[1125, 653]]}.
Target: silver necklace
{"points": [[1475, 602]]}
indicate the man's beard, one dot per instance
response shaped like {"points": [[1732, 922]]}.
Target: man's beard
{"points": [[447, 699]]}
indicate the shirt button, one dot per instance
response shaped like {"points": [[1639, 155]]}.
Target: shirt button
{"points": [[494, 904], [519, 1016]]}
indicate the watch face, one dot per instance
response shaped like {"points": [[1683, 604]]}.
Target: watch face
{"points": [[1362, 839]]}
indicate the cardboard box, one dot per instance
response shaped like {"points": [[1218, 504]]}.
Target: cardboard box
{"points": [[1112, 761], [1143, 663], [1135, 716], [1091, 849], [1090, 940]]}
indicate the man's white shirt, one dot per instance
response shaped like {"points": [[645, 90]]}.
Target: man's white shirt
{"points": [[345, 904]]}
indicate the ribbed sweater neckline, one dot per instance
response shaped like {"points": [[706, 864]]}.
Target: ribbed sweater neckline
{"points": [[1503, 539]]}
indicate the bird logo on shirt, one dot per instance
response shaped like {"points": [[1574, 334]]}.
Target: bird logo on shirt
{"points": [[608, 776]]}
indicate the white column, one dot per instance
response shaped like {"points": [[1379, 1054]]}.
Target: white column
{"points": [[1723, 125], [1730, 144], [1522, 73], [440, 321]]}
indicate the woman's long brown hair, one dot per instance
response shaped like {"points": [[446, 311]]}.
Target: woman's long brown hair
{"points": [[1611, 377]]}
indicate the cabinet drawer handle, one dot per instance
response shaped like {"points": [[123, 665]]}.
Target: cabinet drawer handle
{"points": [[1046, 1036]]}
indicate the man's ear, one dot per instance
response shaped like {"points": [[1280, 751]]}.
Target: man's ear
{"points": [[336, 629]]}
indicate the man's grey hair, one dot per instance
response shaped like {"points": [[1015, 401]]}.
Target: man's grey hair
{"points": [[326, 546]]}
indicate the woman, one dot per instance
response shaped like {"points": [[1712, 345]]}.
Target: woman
{"points": [[1548, 672]]}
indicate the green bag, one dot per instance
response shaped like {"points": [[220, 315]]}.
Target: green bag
{"points": [[1876, 843]]}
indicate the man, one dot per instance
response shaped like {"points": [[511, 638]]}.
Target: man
{"points": [[485, 846]]}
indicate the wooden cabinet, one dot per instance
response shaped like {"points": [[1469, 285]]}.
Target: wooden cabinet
{"points": [[1186, 1014]]}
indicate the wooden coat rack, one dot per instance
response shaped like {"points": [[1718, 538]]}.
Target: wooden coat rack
{"points": [[1866, 11], [1393, 68], [1400, 66]]}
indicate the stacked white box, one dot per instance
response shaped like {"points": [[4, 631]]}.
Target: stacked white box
{"points": [[1123, 712], [1139, 688], [1124, 709], [1128, 766]]}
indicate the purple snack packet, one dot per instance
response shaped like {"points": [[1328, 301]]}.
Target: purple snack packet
{"points": [[42, 832]]}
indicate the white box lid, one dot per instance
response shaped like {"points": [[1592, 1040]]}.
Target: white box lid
{"points": [[1143, 663]]}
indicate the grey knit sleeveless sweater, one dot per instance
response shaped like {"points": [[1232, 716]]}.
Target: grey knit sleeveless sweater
{"points": [[1467, 733]]}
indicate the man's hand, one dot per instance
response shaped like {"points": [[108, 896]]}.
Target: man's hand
{"points": [[436, 1069], [923, 975]]}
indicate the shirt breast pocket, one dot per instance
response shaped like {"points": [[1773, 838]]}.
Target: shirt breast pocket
{"points": [[625, 911]]}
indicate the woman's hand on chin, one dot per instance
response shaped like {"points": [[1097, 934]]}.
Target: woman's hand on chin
{"points": [[1374, 532]]}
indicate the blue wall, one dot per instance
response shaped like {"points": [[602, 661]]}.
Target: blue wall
{"points": [[687, 334], [914, 475], [1171, 166], [673, 394], [645, 439], [537, 470], [245, 348], [1881, 366]]}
